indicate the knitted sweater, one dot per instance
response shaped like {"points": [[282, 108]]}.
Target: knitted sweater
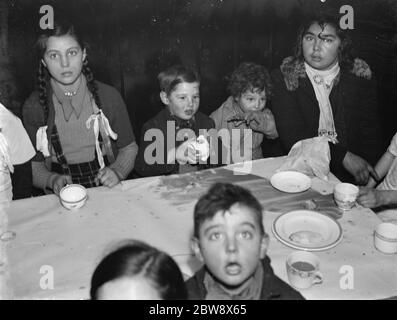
{"points": [[112, 106], [221, 116]]}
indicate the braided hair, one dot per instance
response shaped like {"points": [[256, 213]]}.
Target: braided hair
{"points": [[61, 28]]}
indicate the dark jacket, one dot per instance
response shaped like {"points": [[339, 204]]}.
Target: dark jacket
{"points": [[273, 288], [159, 122], [354, 106]]}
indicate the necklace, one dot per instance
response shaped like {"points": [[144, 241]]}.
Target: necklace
{"points": [[70, 93]]}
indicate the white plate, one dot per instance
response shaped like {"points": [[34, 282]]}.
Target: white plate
{"points": [[307, 230], [291, 181]]}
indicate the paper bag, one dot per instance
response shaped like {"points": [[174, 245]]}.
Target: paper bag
{"points": [[310, 156]]}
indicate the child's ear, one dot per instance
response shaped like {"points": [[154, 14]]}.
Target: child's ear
{"points": [[164, 98], [195, 245], [264, 246]]}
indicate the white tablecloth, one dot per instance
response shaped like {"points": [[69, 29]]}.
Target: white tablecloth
{"points": [[159, 210]]}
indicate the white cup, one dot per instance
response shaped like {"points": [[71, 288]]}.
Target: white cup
{"points": [[345, 195], [303, 269], [73, 196], [201, 147], [385, 238]]}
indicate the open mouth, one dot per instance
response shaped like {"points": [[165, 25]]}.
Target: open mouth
{"points": [[189, 112], [67, 74], [233, 269]]}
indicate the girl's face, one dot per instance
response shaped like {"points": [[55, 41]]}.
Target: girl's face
{"points": [[321, 53], [252, 100], [64, 59], [184, 100]]}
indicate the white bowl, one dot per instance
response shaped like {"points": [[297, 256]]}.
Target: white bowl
{"points": [[385, 238], [73, 196]]}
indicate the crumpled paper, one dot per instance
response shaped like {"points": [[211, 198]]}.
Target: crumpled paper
{"points": [[310, 156]]}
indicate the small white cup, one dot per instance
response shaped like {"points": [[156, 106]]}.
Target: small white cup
{"points": [[303, 269], [385, 238], [73, 196], [345, 195]]}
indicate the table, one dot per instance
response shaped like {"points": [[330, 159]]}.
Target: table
{"points": [[52, 241]]}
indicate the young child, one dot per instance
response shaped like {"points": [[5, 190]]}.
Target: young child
{"points": [[80, 126], [229, 238], [250, 87], [137, 271], [166, 149], [386, 192], [15, 149]]}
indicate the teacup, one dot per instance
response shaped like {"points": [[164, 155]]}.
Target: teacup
{"points": [[345, 195], [73, 196], [385, 238], [303, 269]]}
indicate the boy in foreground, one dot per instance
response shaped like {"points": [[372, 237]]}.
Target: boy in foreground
{"points": [[230, 240]]}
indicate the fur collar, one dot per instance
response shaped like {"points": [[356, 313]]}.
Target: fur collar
{"points": [[293, 69]]}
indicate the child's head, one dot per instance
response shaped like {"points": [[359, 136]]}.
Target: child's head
{"points": [[250, 85], [63, 57], [137, 271], [180, 91], [229, 236], [62, 53]]}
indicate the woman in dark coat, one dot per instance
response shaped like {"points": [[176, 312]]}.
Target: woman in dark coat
{"points": [[320, 91]]}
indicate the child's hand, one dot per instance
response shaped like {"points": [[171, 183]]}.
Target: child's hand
{"points": [[59, 181], [185, 153], [371, 198], [108, 177], [262, 121]]}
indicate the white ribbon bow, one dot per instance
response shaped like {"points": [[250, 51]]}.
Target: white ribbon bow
{"points": [[42, 141], [5, 153], [108, 131]]}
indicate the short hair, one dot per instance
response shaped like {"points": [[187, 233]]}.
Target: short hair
{"points": [[250, 76], [140, 259], [345, 57], [171, 77], [221, 197]]}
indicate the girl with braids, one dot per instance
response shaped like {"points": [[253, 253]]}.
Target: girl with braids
{"points": [[79, 125], [323, 91]]}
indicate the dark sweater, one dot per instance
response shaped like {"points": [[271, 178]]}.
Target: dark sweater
{"points": [[159, 122], [273, 288], [354, 106]]}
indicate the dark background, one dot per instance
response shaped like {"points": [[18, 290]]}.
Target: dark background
{"points": [[131, 41]]}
